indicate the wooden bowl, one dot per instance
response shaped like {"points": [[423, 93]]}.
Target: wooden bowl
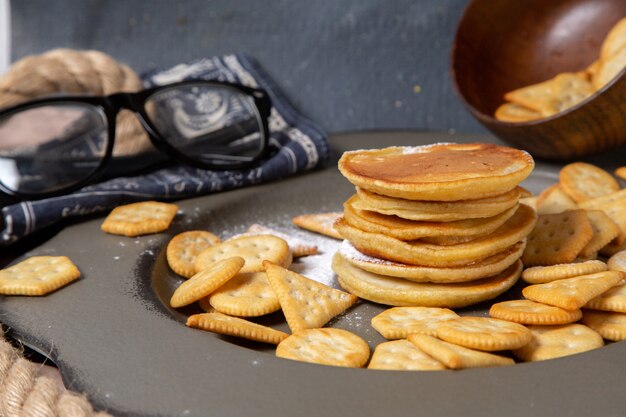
{"points": [[501, 45]]}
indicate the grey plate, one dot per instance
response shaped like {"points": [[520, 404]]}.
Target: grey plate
{"points": [[114, 338]]}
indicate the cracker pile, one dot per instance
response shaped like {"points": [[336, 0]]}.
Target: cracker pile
{"points": [[567, 89], [437, 226]]}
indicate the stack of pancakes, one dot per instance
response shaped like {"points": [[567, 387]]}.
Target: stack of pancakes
{"points": [[438, 225]]}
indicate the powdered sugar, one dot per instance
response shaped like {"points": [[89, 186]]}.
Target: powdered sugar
{"points": [[348, 251]]}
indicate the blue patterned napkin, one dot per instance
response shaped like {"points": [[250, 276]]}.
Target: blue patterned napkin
{"points": [[301, 145]]}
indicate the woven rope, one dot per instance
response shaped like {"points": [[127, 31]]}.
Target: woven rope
{"points": [[67, 71], [25, 393]]}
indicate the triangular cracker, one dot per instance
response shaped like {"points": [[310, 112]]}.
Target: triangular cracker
{"points": [[307, 304]]}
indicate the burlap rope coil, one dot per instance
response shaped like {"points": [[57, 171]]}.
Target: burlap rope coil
{"points": [[23, 391], [72, 72]]}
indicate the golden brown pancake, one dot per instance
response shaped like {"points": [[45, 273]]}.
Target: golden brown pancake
{"points": [[438, 172], [399, 292], [487, 267], [426, 254], [404, 229], [440, 211]]}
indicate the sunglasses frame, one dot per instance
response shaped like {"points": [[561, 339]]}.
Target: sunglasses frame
{"points": [[112, 104]]}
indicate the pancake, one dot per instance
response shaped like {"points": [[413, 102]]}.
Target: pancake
{"points": [[489, 266], [399, 292], [404, 229], [440, 211], [438, 172], [427, 254]]}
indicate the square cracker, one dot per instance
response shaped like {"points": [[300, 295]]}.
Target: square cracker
{"points": [[38, 275], [573, 293], [614, 205], [306, 303], [557, 238], [141, 218]]}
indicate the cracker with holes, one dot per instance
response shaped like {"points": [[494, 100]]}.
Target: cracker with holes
{"points": [[399, 322], [554, 200], [455, 356], [321, 223], [234, 326], [253, 249], [614, 205], [138, 219], [573, 293], [38, 275], [549, 342], [530, 312], [299, 247], [604, 231], [306, 303], [569, 89], [206, 281], [402, 355], [582, 181], [609, 324], [543, 274], [182, 250], [557, 238], [484, 333], [246, 295], [613, 299], [335, 347]]}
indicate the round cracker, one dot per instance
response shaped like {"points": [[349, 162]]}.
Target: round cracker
{"points": [[617, 262], [530, 312], [484, 333], [399, 292], [399, 322], [549, 342], [182, 250], [610, 325], [582, 181], [253, 249], [543, 274], [245, 295]]}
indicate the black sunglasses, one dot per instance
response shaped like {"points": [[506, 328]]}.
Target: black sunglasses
{"points": [[55, 145]]}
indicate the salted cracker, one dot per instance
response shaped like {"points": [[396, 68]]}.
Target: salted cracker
{"points": [[306, 303], [321, 223], [549, 342], [604, 231], [614, 299], [399, 322], [234, 326], [141, 218], [206, 281], [557, 238], [614, 205], [245, 295], [573, 293], [530, 312], [483, 333], [402, 355], [617, 262], [329, 346], [543, 274], [610, 325], [182, 250], [515, 113], [554, 200], [455, 356], [253, 249], [38, 275], [582, 181], [299, 247]]}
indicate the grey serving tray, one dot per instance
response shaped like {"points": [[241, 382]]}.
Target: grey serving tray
{"points": [[114, 338]]}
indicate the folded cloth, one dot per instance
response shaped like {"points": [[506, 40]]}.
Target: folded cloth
{"points": [[299, 143]]}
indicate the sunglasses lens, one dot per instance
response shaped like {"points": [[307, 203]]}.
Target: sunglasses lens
{"points": [[49, 147], [208, 123]]}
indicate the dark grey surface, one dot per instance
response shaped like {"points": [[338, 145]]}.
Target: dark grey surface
{"points": [[366, 57], [113, 338]]}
